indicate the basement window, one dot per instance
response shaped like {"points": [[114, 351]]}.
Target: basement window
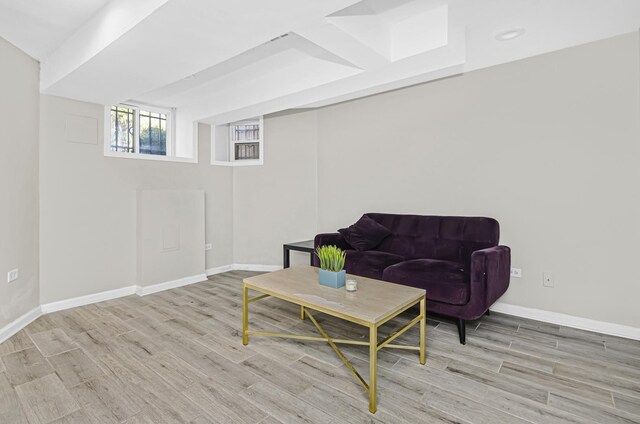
{"points": [[141, 132], [152, 133], [238, 143], [245, 137]]}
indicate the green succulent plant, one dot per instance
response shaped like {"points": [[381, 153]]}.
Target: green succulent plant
{"points": [[331, 258]]}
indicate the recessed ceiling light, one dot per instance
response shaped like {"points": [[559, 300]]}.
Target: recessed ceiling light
{"points": [[510, 34]]}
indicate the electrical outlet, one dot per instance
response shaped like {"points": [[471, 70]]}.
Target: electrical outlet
{"points": [[516, 272], [547, 279], [12, 275], [208, 246]]}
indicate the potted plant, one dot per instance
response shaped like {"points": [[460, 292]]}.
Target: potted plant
{"points": [[332, 273]]}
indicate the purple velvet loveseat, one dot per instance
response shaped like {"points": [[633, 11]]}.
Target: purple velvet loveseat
{"points": [[456, 259]]}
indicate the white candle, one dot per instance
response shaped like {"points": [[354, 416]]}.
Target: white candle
{"points": [[352, 285]]}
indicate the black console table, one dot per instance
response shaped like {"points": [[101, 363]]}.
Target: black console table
{"points": [[301, 246]]}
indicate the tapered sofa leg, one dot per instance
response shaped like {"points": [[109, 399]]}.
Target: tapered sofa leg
{"points": [[461, 330]]}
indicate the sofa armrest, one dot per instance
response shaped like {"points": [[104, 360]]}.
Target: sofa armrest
{"points": [[490, 273], [329, 239]]}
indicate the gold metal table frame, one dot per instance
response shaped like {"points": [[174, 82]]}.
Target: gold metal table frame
{"points": [[374, 345]]}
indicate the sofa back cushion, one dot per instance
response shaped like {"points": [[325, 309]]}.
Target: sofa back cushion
{"points": [[449, 238], [366, 234]]}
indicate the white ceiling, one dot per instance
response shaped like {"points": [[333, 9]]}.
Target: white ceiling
{"points": [[109, 51], [39, 26]]}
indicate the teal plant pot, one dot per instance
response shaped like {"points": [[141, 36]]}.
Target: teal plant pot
{"points": [[333, 279]]}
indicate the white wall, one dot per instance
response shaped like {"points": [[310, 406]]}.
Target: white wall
{"points": [[18, 181], [548, 145], [88, 205]]}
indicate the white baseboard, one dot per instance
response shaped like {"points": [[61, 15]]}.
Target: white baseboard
{"points": [[609, 328], [121, 292], [243, 267], [520, 311], [88, 299], [145, 290], [255, 267], [17, 325], [13, 327], [219, 270]]}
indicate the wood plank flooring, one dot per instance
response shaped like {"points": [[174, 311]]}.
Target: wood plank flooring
{"points": [[177, 357]]}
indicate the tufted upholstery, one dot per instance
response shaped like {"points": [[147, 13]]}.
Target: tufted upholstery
{"points": [[456, 259], [437, 237]]}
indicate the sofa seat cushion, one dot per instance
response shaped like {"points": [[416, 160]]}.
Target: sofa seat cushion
{"points": [[369, 263], [444, 281]]}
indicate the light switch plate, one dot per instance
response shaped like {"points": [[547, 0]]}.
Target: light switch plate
{"points": [[516, 272]]}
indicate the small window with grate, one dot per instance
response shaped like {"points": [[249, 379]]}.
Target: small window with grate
{"points": [[238, 143], [245, 139]]}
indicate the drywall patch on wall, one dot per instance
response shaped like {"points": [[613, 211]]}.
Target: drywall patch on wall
{"points": [[170, 235], [81, 129]]}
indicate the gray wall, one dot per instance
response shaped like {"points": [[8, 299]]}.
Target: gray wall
{"points": [[548, 145], [18, 181], [88, 205], [276, 203]]}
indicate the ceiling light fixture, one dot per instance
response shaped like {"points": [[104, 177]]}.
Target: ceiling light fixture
{"points": [[190, 77], [510, 34]]}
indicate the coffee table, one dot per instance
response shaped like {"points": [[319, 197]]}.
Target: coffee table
{"points": [[375, 303]]}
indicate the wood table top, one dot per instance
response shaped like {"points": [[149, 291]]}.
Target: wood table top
{"points": [[374, 301]]}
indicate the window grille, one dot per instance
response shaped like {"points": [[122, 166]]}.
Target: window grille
{"points": [[153, 133], [245, 151], [122, 129]]}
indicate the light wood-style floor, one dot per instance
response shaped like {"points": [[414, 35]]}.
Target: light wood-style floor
{"points": [[177, 357]]}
